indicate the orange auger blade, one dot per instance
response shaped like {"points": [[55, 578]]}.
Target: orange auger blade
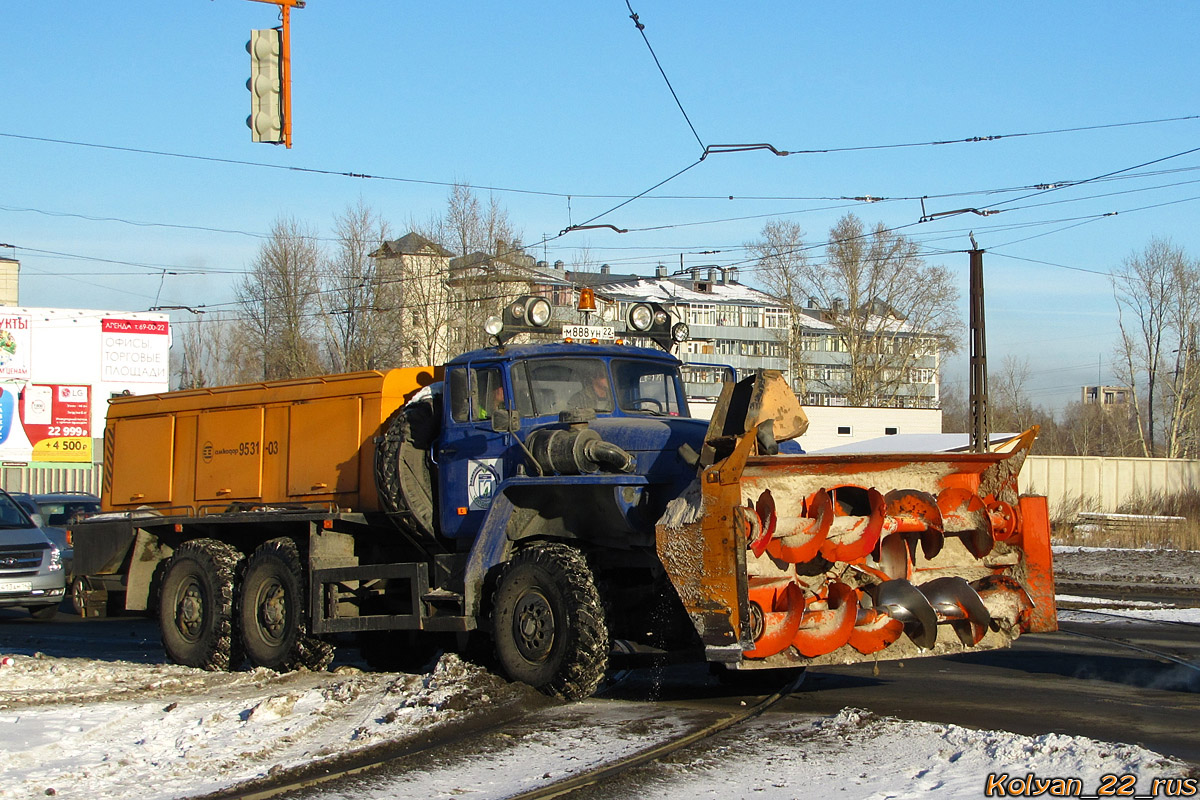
{"points": [[828, 623], [918, 518], [891, 558], [799, 540], [853, 537], [765, 508], [778, 627], [874, 631], [1005, 599], [957, 603], [966, 517]]}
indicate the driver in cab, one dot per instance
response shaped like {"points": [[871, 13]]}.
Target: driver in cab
{"points": [[594, 393]]}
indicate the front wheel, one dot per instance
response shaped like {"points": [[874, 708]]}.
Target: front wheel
{"points": [[196, 605], [550, 630]]}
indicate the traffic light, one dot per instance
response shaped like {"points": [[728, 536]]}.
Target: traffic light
{"points": [[266, 86]]}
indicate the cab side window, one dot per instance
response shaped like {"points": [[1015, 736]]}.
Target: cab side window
{"points": [[460, 395], [487, 395], [521, 389]]}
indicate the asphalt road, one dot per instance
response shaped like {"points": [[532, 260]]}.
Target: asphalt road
{"points": [[1045, 683]]}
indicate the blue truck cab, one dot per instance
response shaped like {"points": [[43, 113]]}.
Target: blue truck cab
{"points": [[494, 401]]}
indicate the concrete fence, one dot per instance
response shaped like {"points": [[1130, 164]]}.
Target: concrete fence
{"points": [[1101, 484], [39, 480]]}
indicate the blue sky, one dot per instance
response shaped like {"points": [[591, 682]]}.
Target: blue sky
{"points": [[564, 103]]}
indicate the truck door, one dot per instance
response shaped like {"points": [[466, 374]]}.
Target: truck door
{"points": [[471, 456]]}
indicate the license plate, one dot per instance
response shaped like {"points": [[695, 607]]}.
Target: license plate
{"points": [[15, 586], [589, 332]]}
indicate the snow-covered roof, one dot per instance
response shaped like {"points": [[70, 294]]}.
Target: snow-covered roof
{"points": [[914, 443], [661, 290]]}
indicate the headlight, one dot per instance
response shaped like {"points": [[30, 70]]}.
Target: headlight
{"points": [[55, 559], [539, 312], [641, 317], [493, 325], [680, 332], [660, 317]]}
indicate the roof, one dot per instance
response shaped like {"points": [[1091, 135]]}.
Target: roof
{"points": [[599, 279], [411, 244], [675, 290], [915, 443]]}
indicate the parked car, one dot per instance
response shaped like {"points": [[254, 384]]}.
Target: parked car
{"points": [[59, 510], [31, 566]]}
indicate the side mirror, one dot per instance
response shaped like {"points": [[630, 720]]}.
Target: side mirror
{"points": [[505, 421]]}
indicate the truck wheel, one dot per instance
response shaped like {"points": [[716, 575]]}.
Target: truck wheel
{"points": [[43, 613], [271, 606], [550, 630], [196, 605], [80, 586]]}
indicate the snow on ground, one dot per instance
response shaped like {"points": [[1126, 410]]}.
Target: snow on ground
{"points": [[854, 754], [168, 731], [76, 728]]}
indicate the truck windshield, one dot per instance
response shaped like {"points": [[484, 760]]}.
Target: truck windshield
{"points": [[551, 386], [648, 387]]}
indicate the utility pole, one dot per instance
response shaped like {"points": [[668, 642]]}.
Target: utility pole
{"points": [[980, 433], [260, 95]]}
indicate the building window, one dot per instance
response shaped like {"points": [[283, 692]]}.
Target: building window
{"points": [[890, 431], [845, 430]]}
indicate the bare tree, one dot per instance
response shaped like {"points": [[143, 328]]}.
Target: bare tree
{"points": [[784, 271], [206, 342], [488, 271], [278, 299], [1091, 429], [1158, 302], [361, 301], [955, 414], [1009, 408], [892, 314]]}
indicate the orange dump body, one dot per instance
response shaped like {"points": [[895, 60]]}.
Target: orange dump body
{"points": [[303, 441], [809, 559]]}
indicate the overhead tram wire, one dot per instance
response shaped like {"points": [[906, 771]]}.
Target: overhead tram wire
{"points": [[642, 30], [992, 137], [543, 193]]}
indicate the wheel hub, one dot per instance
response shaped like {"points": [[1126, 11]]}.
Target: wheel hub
{"points": [[189, 611], [272, 611], [533, 626]]}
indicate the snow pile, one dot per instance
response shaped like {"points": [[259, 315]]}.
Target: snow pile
{"points": [[857, 754], [165, 731]]}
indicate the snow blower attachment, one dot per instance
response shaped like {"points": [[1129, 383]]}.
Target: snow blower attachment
{"points": [[786, 560]]}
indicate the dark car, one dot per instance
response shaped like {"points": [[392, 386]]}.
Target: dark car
{"points": [[31, 567], [60, 509]]}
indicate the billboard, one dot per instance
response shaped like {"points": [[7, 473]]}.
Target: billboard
{"points": [[58, 369]]}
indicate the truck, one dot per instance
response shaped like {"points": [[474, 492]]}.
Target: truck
{"points": [[551, 505]]}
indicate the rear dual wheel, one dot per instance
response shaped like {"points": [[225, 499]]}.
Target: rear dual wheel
{"points": [[272, 611], [213, 613]]}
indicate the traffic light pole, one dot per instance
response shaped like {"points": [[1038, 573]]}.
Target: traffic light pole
{"points": [[285, 63]]}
